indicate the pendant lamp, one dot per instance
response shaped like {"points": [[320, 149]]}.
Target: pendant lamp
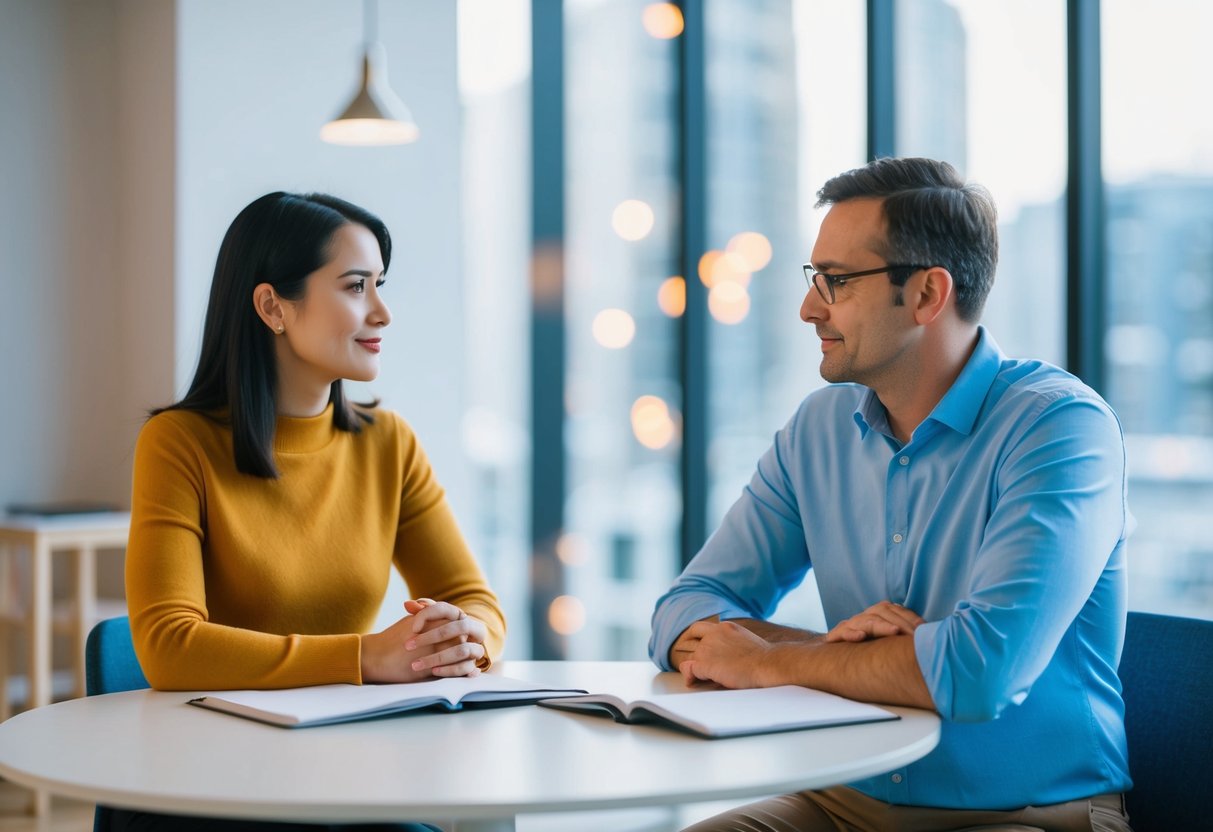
{"points": [[376, 116]]}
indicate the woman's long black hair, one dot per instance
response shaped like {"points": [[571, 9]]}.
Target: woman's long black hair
{"points": [[279, 239]]}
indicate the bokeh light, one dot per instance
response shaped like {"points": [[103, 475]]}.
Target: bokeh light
{"points": [[707, 266], [566, 614], [572, 549], [632, 219], [672, 296], [613, 328], [663, 20], [730, 267], [717, 267], [651, 422], [729, 302], [753, 248]]}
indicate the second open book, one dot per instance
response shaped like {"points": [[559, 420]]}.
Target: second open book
{"points": [[732, 713]]}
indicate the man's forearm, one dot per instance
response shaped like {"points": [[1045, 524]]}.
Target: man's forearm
{"points": [[879, 670], [770, 631]]}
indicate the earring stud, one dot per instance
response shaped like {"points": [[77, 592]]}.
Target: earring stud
{"points": [[281, 329]]}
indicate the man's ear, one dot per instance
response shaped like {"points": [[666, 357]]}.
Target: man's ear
{"points": [[268, 307], [933, 289]]}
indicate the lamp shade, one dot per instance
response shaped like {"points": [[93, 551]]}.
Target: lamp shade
{"points": [[376, 116]]}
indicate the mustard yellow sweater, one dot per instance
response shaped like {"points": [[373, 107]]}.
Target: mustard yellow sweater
{"points": [[235, 581]]}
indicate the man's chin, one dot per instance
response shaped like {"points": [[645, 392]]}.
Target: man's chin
{"points": [[833, 375]]}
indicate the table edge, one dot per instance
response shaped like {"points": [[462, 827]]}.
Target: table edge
{"points": [[417, 811]]}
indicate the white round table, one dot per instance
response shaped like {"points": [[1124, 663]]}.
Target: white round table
{"points": [[149, 750]]}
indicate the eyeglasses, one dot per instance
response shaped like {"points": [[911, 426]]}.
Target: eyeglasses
{"points": [[827, 283]]}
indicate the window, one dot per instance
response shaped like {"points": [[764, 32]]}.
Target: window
{"points": [[786, 87], [622, 299], [1158, 347], [983, 85], [494, 85], [980, 84]]}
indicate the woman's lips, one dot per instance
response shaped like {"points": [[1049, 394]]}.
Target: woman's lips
{"points": [[369, 344]]}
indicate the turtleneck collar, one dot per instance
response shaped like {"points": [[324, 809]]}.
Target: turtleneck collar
{"points": [[294, 435]]}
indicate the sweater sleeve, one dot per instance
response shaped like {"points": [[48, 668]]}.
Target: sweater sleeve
{"points": [[431, 553], [178, 647]]}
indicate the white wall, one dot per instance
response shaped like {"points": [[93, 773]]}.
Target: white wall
{"points": [[131, 134], [256, 81]]}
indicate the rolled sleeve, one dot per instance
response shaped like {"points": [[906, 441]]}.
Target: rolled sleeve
{"points": [[756, 556], [1059, 515]]}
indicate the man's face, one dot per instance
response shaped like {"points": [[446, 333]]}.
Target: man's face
{"points": [[863, 333]]}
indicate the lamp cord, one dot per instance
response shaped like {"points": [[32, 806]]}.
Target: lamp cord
{"points": [[369, 22]]}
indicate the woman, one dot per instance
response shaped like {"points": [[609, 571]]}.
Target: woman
{"points": [[267, 509]]}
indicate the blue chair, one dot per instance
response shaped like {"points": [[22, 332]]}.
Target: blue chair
{"points": [[1167, 673], [110, 666]]}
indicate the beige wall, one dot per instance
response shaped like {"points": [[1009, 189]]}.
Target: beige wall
{"points": [[86, 222], [71, 286]]}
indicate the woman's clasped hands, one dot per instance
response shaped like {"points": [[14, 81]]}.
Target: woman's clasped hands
{"points": [[434, 639]]}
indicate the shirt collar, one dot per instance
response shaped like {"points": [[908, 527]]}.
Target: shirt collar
{"points": [[959, 407]]}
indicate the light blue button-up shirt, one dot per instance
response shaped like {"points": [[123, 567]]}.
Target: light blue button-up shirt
{"points": [[1002, 522]]}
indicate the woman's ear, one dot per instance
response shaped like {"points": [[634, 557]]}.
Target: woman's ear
{"points": [[269, 307]]}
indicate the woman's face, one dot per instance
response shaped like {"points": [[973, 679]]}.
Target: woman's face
{"points": [[333, 332]]}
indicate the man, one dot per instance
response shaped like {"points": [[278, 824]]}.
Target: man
{"points": [[965, 517]]}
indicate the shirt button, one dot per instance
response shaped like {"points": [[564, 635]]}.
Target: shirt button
{"points": [[897, 538], [905, 460], [896, 778]]}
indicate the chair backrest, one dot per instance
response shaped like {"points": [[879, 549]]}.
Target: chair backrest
{"points": [[1167, 673], [110, 664]]}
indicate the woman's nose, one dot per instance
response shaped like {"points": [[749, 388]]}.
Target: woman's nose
{"points": [[380, 314]]}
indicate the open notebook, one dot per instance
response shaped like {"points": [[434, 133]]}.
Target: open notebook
{"points": [[732, 713], [328, 704]]}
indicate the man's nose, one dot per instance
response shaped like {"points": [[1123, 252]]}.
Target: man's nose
{"points": [[813, 307]]}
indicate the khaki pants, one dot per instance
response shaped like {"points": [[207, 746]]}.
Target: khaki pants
{"points": [[841, 809]]}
